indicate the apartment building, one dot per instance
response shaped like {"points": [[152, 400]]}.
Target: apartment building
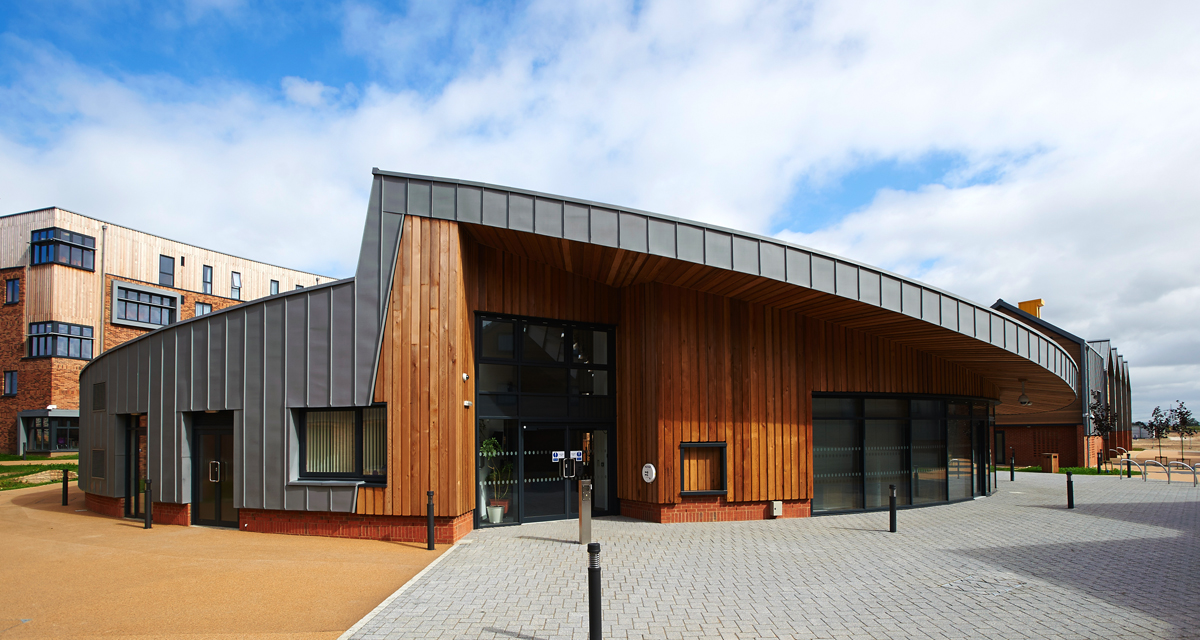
{"points": [[75, 286]]}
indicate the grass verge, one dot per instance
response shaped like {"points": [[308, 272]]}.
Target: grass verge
{"points": [[9, 475]]}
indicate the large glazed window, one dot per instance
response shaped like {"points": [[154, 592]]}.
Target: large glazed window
{"points": [[145, 307], [52, 434], [931, 449], [60, 340], [344, 444], [59, 246]]}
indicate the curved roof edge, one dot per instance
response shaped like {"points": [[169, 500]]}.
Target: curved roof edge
{"points": [[659, 235]]}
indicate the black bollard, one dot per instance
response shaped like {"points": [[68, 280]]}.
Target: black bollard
{"points": [[429, 523], [1070, 492], [1099, 462], [594, 631], [65, 475], [149, 501], [1128, 467], [1012, 468], [892, 509]]}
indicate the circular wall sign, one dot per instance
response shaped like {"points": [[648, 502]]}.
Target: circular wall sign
{"points": [[648, 473]]}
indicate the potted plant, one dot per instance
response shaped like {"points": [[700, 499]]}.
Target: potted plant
{"points": [[500, 476]]}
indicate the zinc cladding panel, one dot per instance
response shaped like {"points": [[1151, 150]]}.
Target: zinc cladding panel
{"points": [[997, 330], [470, 204], [183, 366], [983, 325], [689, 243], [419, 194], [547, 217], [846, 280], [823, 274], [910, 299], [295, 353], [318, 353], [495, 208], [632, 232], [217, 349], [890, 294], [604, 227], [276, 372], [443, 206], [949, 313], [771, 261], [575, 222], [718, 249], [868, 287], [173, 436], [1010, 336], [520, 212], [252, 416], [745, 255], [341, 381], [389, 245], [236, 359], [143, 386], [395, 195], [154, 416], [660, 238], [931, 306], [199, 365], [798, 267]]}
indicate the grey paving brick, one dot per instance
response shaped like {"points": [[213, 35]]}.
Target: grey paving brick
{"points": [[1016, 564]]}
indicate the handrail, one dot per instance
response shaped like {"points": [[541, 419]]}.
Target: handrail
{"points": [[1121, 461], [1185, 466], [1167, 469]]}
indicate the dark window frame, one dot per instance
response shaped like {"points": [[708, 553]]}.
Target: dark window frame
{"points": [[235, 285], [724, 490], [11, 383], [45, 248], [52, 426], [208, 309], [358, 475], [274, 287], [44, 338], [121, 296], [206, 279], [12, 291], [166, 275]]}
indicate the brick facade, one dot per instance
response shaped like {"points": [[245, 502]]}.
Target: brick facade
{"points": [[447, 530], [171, 513], [1073, 448], [711, 509], [104, 505], [12, 350], [116, 334]]}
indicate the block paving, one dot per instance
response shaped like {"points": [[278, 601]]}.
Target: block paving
{"points": [[1016, 564]]}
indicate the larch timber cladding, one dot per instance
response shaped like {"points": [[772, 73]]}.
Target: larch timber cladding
{"points": [[695, 367]]}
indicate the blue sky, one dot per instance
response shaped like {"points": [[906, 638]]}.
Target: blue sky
{"points": [[1014, 150]]}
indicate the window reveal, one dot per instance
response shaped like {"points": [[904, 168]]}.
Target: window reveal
{"points": [[344, 443]]}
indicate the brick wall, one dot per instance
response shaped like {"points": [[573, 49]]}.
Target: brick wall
{"points": [[171, 513], [711, 509], [12, 349], [447, 530], [1067, 441], [104, 505], [115, 334]]}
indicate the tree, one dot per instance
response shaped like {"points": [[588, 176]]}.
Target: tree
{"points": [[1181, 418], [1103, 420], [1159, 426]]}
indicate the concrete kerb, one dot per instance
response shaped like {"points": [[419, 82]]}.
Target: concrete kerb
{"points": [[404, 587]]}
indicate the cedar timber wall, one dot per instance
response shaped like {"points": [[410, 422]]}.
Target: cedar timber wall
{"points": [[691, 367]]}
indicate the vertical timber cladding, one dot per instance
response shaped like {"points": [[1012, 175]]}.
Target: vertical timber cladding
{"points": [[443, 276], [697, 367]]}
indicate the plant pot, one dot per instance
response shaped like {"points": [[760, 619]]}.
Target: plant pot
{"points": [[500, 502], [495, 514]]}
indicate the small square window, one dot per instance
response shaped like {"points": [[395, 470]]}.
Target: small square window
{"points": [[203, 308], [702, 468]]}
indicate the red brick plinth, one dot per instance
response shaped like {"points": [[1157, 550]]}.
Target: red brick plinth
{"points": [[171, 513], [446, 530], [104, 505], [711, 509]]}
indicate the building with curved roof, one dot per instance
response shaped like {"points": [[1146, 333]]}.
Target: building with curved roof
{"points": [[497, 345]]}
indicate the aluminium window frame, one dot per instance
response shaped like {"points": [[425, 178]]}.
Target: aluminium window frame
{"points": [[274, 287], [11, 390], [199, 304], [121, 284], [54, 334], [302, 472], [206, 279], [235, 285], [55, 239], [161, 261], [724, 490], [11, 284]]}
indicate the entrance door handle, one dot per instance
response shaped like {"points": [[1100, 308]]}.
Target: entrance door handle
{"points": [[214, 471]]}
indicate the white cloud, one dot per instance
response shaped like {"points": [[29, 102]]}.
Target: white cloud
{"points": [[712, 111]]}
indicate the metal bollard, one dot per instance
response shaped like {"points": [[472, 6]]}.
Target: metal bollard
{"points": [[149, 501], [1128, 467], [585, 511], [594, 631], [1099, 462], [65, 476], [1070, 492], [429, 523], [1012, 468], [892, 509]]}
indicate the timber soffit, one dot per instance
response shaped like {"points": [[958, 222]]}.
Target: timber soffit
{"points": [[655, 234]]}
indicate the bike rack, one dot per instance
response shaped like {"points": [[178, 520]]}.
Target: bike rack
{"points": [[1185, 466], [1123, 449], [1131, 462], [1150, 462]]}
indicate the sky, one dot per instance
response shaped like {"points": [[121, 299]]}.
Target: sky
{"points": [[1009, 150]]}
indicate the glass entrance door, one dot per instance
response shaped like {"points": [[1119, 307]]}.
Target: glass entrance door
{"points": [[550, 490], [212, 477], [135, 473]]}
